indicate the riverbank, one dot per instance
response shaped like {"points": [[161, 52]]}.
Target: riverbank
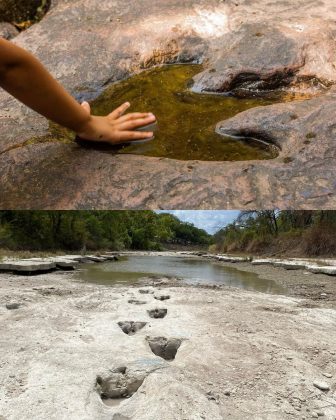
{"points": [[311, 278], [242, 354], [298, 283]]}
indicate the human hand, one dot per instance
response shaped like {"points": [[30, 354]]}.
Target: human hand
{"points": [[115, 128]]}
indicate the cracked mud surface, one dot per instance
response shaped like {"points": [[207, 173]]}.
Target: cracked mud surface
{"points": [[247, 48], [263, 356]]}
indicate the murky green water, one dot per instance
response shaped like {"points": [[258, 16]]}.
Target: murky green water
{"points": [[130, 270], [186, 120]]}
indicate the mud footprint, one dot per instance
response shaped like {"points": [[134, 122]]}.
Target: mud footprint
{"points": [[131, 327], [157, 313], [145, 291], [118, 385], [137, 302], [162, 297], [164, 347]]}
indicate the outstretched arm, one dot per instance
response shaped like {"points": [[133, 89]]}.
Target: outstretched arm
{"points": [[24, 77]]}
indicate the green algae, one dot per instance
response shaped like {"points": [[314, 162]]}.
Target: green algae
{"points": [[186, 120]]}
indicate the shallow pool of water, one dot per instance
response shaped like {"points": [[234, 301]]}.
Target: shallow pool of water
{"points": [[129, 270], [186, 120]]}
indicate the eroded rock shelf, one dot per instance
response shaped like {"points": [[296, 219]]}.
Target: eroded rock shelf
{"points": [[249, 50]]}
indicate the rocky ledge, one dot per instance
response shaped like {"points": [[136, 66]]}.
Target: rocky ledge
{"points": [[43, 265], [316, 266], [247, 48]]}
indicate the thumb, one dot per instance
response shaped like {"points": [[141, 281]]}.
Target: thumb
{"points": [[86, 106]]}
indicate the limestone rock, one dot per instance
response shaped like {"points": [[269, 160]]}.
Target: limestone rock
{"points": [[7, 30], [253, 47], [323, 386]]}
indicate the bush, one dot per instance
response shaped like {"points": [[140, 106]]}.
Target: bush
{"points": [[290, 233], [319, 240]]}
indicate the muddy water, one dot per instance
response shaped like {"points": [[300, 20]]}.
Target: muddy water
{"points": [[186, 120], [130, 270]]}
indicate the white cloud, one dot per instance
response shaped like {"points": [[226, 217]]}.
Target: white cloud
{"points": [[209, 220]]}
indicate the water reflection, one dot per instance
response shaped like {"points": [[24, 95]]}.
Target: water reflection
{"points": [[191, 271]]}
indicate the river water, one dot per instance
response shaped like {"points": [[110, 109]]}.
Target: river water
{"points": [[190, 270]]}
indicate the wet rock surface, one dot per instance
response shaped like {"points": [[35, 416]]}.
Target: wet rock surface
{"points": [[186, 119], [266, 46], [236, 67]]}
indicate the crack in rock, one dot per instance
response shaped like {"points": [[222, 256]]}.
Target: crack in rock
{"points": [[253, 137]]}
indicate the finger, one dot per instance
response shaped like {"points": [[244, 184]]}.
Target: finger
{"points": [[134, 135], [134, 124], [120, 110], [134, 116], [86, 106]]}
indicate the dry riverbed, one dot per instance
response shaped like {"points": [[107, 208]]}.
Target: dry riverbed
{"points": [[316, 289], [239, 354]]}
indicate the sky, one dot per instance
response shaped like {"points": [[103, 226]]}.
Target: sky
{"points": [[209, 220]]}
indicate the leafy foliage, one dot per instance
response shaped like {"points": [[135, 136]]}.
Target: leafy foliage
{"points": [[305, 232], [75, 230]]}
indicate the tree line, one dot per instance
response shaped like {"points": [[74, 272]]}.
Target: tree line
{"points": [[267, 232], [94, 230], [292, 232]]}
